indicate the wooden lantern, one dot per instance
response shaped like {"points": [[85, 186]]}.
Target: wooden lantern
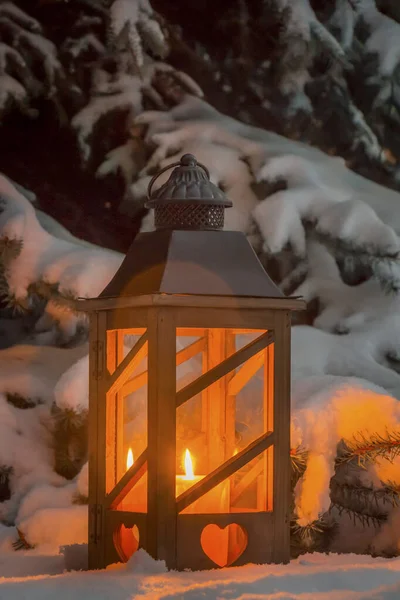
{"points": [[190, 369]]}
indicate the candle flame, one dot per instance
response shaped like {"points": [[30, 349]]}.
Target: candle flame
{"points": [[235, 452], [188, 466], [129, 459]]}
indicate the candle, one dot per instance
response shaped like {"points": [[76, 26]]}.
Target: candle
{"points": [[214, 501], [184, 482], [136, 499]]}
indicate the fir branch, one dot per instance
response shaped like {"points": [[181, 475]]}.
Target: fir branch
{"points": [[80, 499], [5, 474], [362, 503], [22, 543], [20, 402], [10, 248], [69, 420], [314, 537], [367, 449], [382, 265], [298, 458], [70, 441]]}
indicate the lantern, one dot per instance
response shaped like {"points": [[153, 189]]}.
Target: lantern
{"points": [[189, 400]]}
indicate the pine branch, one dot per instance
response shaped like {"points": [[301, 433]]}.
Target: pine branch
{"points": [[69, 420], [314, 537], [362, 503], [370, 497], [298, 458], [367, 449], [383, 265], [22, 543], [10, 248], [20, 402], [5, 474], [70, 440], [80, 499]]}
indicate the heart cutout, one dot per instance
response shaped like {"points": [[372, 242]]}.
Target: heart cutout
{"points": [[223, 545], [126, 541]]}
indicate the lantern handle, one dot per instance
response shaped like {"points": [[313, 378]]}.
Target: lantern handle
{"points": [[176, 164]]}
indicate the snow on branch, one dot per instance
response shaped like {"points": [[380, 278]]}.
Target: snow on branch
{"points": [[125, 93], [57, 269], [27, 59], [322, 198], [384, 36], [326, 412], [133, 27]]}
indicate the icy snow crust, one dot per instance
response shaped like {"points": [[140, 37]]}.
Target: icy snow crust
{"points": [[311, 577]]}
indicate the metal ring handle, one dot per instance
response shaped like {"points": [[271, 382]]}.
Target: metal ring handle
{"points": [[177, 164]]}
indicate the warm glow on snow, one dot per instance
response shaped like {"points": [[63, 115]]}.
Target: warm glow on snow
{"points": [[188, 466], [129, 459]]}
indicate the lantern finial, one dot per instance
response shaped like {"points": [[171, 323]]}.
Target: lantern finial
{"points": [[188, 160], [188, 200]]}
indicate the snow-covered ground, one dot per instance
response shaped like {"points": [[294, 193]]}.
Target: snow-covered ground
{"points": [[311, 577]]}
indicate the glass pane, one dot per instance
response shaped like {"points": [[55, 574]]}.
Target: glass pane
{"points": [[220, 412], [127, 413]]}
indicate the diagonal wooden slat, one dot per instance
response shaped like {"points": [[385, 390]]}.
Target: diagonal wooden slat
{"points": [[202, 382], [246, 480], [224, 471], [127, 481], [244, 375], [182, 356], [128, 365]]}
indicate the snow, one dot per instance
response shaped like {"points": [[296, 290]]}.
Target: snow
{"points": [[342, 385], [108, 95], [327, 410], [383, 39], [77, 270], [312, 577]]}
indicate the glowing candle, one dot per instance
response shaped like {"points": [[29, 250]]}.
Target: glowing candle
{"points": [[136, 499], [129, 459], [214, 501], [184, 482]]}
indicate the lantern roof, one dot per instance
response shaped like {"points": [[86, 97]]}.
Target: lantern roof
{"points": [[215, 263], [188, 253]]}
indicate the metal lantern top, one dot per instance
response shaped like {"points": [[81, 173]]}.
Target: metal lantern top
{"points": [[188, 200], [188, 254]]}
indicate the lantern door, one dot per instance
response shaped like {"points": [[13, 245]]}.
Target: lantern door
{"points": [[230, 504], [119, 467]]}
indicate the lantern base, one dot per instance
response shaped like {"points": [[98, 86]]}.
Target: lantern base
{"points": [[204, 541]]}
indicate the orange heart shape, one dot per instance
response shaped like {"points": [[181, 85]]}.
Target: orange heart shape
{"points": [[223, 545], [126, 541]]}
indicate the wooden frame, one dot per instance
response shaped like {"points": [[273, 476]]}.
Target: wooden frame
{"points": [[167, 531]]}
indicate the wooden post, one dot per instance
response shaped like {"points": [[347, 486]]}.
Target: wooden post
{"points": [[282, 491], [111, 464], [119, 414], [161, 533], [268, 409], [97, 437], [92, 435]]}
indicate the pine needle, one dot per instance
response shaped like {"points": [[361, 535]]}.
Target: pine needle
{"points": [[298, 458], [362, 504], [367, 449], [21, 543]]}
